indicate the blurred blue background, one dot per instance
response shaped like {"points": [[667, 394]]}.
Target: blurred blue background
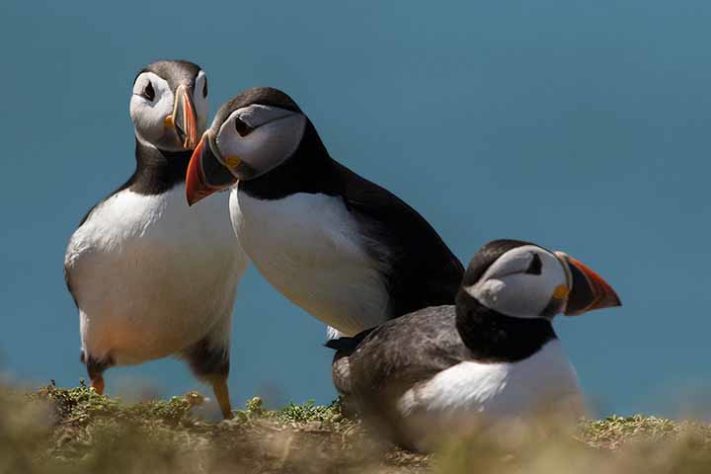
{"points": [[584, 126]]}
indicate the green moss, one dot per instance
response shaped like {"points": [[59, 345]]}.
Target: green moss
{"points": [[75, 430], [309, 412]]}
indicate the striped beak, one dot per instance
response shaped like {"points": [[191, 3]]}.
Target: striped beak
{"points": [[184, 118], [206, 174], [588, 290]]}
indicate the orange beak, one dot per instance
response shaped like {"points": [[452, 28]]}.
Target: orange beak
{"points": [[184, 119], [206, 174], [588, 290]]}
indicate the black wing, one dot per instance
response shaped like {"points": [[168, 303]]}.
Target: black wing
{"points": [[423, 271], [401, 353]]}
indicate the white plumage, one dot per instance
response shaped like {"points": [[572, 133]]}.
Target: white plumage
{"points": [[152, 276], [472, 392], [309, 248]]}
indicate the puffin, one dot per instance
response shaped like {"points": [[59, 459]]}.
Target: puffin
{"points": [[346, 250], [490, 357], [150, 276]]}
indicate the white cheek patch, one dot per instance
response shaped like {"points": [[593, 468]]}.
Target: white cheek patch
{"points": [[148, 116], [507, 288], [487, 292], [269, 144], [514, 295]]}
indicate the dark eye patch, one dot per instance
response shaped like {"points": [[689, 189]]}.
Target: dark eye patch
{"points": [[148, 92], [535, 267], [242, 128], [204, 89]]}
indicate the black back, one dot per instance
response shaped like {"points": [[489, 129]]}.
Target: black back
{"points": [[395, 356], [422, 271], [404, 352], [407, 350], [415, 347]]}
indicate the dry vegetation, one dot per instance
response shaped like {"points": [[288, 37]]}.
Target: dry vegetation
{"points": [[76, 431]]}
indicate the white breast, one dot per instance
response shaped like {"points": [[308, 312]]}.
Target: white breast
{"points": [[471, 392], [152, 276], [308, 247]]}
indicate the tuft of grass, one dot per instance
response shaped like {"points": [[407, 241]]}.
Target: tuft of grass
{"points": [[309, 412], [615, 431], [75, 430]]}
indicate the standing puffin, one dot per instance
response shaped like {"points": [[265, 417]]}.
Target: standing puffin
{"points": [[493, 355], [344, 249], [150, 276]]}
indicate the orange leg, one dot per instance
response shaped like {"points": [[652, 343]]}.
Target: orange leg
{"points": [[97, 383], [222, 394], [95, 370], [211, 364]]}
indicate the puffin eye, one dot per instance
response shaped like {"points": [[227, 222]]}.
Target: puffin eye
{"points": [[204, 89], [242, 128], [534, 268], [148, 92]]}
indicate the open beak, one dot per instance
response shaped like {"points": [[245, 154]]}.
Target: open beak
{"points": [[184, 119], [588, 290], [206, 174]]}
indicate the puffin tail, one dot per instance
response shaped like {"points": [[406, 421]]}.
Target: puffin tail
{"points": [[347, 344]]}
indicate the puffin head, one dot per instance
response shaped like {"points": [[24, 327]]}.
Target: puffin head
{"points": [[251, 134], [169, 105], [523, 280]]}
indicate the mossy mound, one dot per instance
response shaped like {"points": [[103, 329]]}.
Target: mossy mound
{"points": [[74, 430]]}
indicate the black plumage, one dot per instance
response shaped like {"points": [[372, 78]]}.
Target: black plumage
{"points": [[375, 368], [421, 270]]}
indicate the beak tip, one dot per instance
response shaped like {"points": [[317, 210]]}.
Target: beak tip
{"points": [[615, 301], [610, 298], [590, 291], [191, 194], [196, 188]]}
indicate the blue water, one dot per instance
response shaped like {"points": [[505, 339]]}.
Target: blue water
{"points": [[580, 125]]}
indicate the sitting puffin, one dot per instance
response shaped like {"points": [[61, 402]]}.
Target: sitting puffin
{"points": [[150, 276], [344, 249], [491, 356]]}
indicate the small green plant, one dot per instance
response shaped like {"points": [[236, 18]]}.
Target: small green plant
{"points": [[75, 430], [309, 412]]}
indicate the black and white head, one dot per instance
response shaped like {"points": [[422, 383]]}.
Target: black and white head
{"points": [[523, 280], [169, 105], [251, 135]]}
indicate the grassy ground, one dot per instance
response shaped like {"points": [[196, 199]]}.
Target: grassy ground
{"points": [[76, 431]]}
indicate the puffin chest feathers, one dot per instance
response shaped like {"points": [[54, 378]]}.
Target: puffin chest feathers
{"points": [[312, 249], [460, 398], [497, 389], [151, 275]]}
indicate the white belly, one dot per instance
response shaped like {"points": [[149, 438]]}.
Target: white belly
{"points": [[471, 392], [309, 248], [152, 276]]}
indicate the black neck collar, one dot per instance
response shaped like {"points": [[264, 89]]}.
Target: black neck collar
{"points": [[157, 170], [493, 337], [307, 170]]}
